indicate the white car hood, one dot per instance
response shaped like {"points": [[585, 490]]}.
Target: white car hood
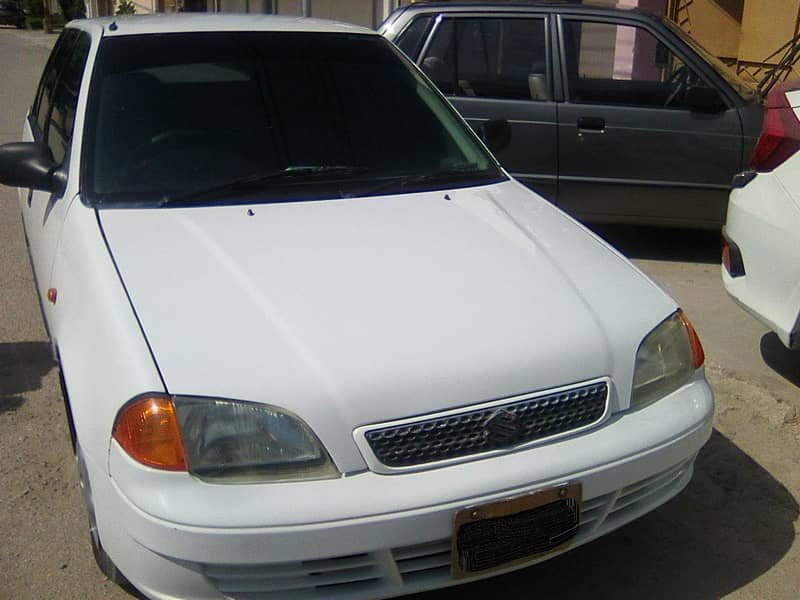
{"points": [[348, 312]]}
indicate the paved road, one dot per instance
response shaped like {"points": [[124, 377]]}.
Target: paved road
{"points": [[730, 534]]}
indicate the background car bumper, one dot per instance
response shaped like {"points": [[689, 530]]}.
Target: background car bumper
{"points": [[402, 544], [763, 221]]}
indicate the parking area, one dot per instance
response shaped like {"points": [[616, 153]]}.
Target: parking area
{"points": [[731, 534]]}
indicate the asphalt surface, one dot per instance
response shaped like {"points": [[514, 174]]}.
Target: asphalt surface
{"points": [[731, 534]]}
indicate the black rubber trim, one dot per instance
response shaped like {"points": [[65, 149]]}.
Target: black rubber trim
{"points": [[742, 179], [736, 268]]}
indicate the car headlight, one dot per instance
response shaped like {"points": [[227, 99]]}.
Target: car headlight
{"points": [[666, 359], [221, 440]]}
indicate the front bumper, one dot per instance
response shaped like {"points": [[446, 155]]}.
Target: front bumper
{"points": [[370, 535]]}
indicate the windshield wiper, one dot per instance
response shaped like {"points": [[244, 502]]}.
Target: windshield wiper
{"points": [[439, 176], [256, 180]]}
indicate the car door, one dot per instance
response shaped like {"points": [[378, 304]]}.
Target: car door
{"points": [[51, 121], [497, 67], [643, 136]]}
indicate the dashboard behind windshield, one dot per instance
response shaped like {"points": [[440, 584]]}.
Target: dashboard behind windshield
{"points": [[175, 114]]}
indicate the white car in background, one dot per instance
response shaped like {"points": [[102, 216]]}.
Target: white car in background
{"points": [[315, 342], [761, 238]]}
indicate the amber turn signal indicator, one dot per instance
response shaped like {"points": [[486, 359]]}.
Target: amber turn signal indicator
{"points": [[148, 430], [698, 354]]}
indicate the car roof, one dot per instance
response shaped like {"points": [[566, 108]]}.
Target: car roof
{"points": [[555, 6], [122, 25]]}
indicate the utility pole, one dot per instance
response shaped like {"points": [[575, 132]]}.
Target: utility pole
{"points": [[306, 4]]}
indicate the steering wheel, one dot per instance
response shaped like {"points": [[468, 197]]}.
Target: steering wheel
{"points": [[680, 79], [171, 140]]}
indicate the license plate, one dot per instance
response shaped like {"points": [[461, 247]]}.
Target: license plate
{"points": [[514, 531]]}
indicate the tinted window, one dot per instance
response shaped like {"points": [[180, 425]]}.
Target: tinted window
{"points": [[65, 98], [412, 38], [624, 65], [490, 58], [55, 64], [177, 113], [743, 88]]}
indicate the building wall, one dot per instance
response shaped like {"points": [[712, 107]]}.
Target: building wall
{"points": [[289, 7], [368, 13], [143, 7], [359, 12], [748, 34], [766, 26], [243, 6], [716, 28]]}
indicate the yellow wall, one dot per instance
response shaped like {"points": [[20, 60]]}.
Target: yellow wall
{"points": [[714, 28], [766, 26]]}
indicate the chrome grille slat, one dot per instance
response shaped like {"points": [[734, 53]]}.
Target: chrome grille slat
{"points": [[463, 434]]}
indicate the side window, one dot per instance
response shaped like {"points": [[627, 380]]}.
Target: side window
{"points": [[44, 95], [65, 99], [412, 38], [624, 65], [503, 58], [440, 62]]}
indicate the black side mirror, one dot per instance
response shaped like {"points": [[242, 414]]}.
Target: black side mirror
{"points": [[704, 100], [30, 165], [496, 134]]}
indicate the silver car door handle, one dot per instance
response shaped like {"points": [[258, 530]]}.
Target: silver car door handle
{"points": [[591, 125]]}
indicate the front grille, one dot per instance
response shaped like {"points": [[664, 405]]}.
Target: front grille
{"points": [[490, 428]]}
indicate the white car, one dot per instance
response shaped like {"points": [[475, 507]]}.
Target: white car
{"points": [[314, 341], [761, 238]]}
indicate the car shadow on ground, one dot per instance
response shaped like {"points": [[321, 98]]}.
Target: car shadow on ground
{"points": [[780, 359], [22, 367], [654, 243], [730, 525]]}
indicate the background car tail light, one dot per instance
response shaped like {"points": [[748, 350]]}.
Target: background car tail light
{"points": [[780, 134], [698, 355], [148, 430]]}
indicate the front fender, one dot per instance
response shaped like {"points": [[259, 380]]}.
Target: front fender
{"points": [[103, 354]]}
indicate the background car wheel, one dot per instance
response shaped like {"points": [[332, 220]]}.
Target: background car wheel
{"points": [[107, 566]]}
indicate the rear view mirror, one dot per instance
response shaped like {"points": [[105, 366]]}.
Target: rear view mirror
{"points": [[30, 165], [496, 134]]}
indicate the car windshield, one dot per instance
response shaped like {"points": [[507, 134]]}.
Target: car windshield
{"points": [[744, 89], [205, 118]]}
